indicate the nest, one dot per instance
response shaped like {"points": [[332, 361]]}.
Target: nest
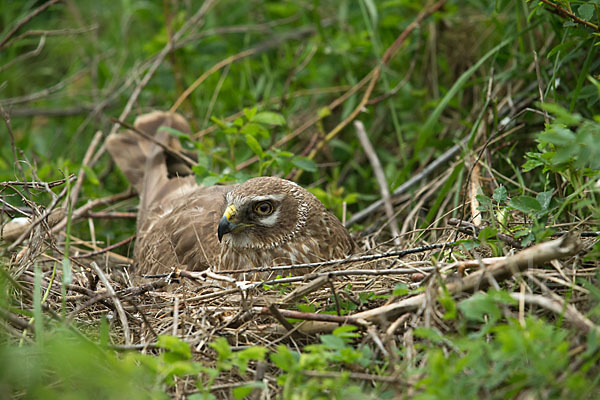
{"points": [[385, 293]]}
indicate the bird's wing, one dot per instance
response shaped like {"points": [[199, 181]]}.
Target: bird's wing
{"points": [[144, 162], [182, 231]]}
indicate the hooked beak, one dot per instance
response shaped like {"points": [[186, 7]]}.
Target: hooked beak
{"points": [[225, 225]]}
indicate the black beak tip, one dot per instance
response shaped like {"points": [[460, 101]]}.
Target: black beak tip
{"points": [[225, 226]]}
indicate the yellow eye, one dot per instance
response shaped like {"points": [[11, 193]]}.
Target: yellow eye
{"points": [[263, 208]]}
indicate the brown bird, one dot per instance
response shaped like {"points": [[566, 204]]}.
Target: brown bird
{"points": [[265, 221]]}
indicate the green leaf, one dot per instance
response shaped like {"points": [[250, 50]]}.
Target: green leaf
{"points": [[324, 112], [222, 347], [503, 216], [533, 161], [284, 358], [483, 200], [283, 153], [586, 11], [558, 135], [210, 181], [304, 163], [562, 47], [449, 305], [242, 391], [269, 117], [486, 233], [401, 289], [500, 194], [562, 114], [544, 198], [333, 342], [249, 113], [346, 331], [502, 297], [351, 198], [479, 306], [175, 133], [256, 353], [220, 123], [309, 308], [427, 128], [175, 345], [255, 129], [470, 244], [521, 233], [254, 146], [527, 240], [178, 367], [201, 396], [525, 204]]}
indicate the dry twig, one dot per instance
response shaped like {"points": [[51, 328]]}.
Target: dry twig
{"points": [[380, 176], [118, 306], [25, 20], [539, 254]]}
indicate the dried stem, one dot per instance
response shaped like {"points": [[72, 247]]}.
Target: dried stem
{"points": [[380, 176], [119, 307], [539, 254], [26, 19]]}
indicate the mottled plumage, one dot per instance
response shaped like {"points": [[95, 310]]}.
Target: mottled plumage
{"points": [[264, 221]]}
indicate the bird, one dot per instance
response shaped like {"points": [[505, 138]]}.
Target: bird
{"points": [[262, 222]]}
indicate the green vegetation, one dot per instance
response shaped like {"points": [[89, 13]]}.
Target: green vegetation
{"points": [[274, 89]]}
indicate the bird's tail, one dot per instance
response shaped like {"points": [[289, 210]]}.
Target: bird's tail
{"points": [[145, 163]]}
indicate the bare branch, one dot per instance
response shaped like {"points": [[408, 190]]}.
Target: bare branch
{"points": [[25, 20]]}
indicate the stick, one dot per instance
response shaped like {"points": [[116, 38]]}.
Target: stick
{"points": [[231, 59], [26, 19], [45, 214], [559, 307], [471, 229], [539, 254], [381, 181], [474, 185], [169, 150], [276, 313], [374, 76], [451, 152], [118, 305], [33, 53], [371, 257], [36, 184], [84, 163], [81, 211], [574, 17], [314, 316], [15, 228], [194, 21], [361, 272], [106, 249]]}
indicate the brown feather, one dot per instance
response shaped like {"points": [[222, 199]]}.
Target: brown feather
{"points": [[178, 220]]}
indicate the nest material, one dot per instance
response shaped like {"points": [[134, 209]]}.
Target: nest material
{"points": [[200, 307]]}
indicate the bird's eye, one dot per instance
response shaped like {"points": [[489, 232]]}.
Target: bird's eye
{"points": [[263, 208]]}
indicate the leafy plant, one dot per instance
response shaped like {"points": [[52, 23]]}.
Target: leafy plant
{"points": [[501, 359], [238, 141]]}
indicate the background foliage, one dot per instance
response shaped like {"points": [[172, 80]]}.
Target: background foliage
{"points": [[514, 82]]}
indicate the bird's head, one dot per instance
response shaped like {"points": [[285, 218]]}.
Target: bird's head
{"points": [[263, 212]]}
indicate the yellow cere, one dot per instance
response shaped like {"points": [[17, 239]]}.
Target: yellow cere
{"points": [[230, 212]]}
